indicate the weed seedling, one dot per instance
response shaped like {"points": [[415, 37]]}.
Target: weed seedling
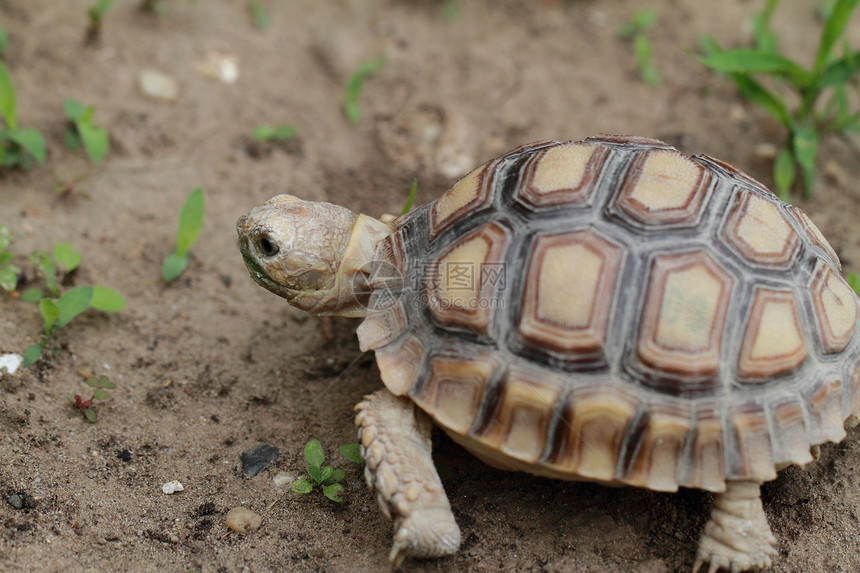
{"points": [[410, 200], [259, 15], [18, 145], [284, 132], [356, 84], [81, 130], [324, 476], [96, 14], [636, 30], [190, 224], [814, 116], [8, 272], [100, 387], [59, 311]]}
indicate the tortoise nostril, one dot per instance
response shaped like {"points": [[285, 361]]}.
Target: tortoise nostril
{"points": [[267, 247]]}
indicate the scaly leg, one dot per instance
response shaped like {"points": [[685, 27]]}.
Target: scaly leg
{"points": [[737, 537], [395, 443]]}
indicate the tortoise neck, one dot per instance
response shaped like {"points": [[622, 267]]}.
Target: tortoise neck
{"points": [[355, 267]]}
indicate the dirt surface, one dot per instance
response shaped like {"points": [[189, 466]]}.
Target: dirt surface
{"points": [[213, 365]]}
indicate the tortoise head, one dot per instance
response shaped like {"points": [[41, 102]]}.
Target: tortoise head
{"points": [[314, 254]]}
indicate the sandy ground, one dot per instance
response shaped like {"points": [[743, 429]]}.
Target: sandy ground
{"points": [[213, 365]]}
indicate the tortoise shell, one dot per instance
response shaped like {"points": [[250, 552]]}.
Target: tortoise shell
{"points": [[613, 310]]}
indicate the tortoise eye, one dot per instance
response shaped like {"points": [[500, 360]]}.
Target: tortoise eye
{"points": [[267, 247]]}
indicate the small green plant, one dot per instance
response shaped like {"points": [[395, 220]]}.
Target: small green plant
{"points": [[284, 132], [8, 272], [96, 14], [57, 311], [259, 15], [100, 386], [814, 116], [854, 282], [636, 30], [81, 130], [18, 145], [410, 200], [324, 476], [355, 85], [190, 224]]}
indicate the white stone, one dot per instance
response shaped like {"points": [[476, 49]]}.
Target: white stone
{"points": [[10, 362], [157, 85], [172, 487]]}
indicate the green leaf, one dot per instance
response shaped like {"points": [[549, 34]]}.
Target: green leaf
{"points": [[757, 93], [173, 267], [105, 382], [352, 452], [833, 29], [9, 277], [42, 261], [71, 397], [259, 15], [337, 475], [747, 61], [314, 453], [31, 140], [355, 84], [32, 295], [71, 139], [50, 313], [805, 143], [302, 485], [332, 491], [93, 382], [315, 473], [74, 109], [783, 172], [73, 303], [4, 40], [284, 132], [97, 12], [8, 102], [854, 282], [190, 222], [410, 200], [67, 255], [100, 394], [325, 473], [95, 139], [107, 299], [90, 414], [841, 70], [32, 354]]}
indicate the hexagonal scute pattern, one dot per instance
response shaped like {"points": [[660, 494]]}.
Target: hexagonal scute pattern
{"points": [[562, 175], [759, 232], [663, 187], [569, 292], [462, 282], [685, 308], [469, 194], [774, 341], [835, 307]]}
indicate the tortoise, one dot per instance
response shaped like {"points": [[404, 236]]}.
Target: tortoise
{"points": [[608, 310]]}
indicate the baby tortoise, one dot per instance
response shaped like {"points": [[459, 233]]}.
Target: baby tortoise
{"points": [[608, 310]]}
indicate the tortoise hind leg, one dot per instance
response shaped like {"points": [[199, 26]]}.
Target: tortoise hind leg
{"points": [[395, 440], [737, 537]]}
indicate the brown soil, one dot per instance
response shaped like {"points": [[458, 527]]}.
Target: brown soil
{"points": [[212, 365]]}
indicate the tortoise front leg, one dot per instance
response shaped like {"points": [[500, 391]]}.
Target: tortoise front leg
{"points": [[395, 443], [737, 537]]}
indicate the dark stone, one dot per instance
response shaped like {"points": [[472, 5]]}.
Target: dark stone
{"points": [[124, 455], [16, 501], [258, 458]]}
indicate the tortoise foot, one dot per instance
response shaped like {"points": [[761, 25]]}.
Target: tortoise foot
{"points": [[425, 534], [737, 537]]}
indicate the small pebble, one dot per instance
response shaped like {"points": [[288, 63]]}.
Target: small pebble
{"points": [[10, 363], [220, 67], [157, 85], [172, 487], [243, 520], [16, 501], [766, 151], [258, 458], [283, 480]]}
